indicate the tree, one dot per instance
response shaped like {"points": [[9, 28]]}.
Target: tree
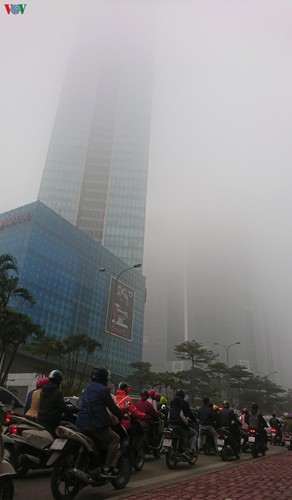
{"points": [[16, 329], [9, 284], [218, 371], [141, 376], [165, 380], [194, 353]]}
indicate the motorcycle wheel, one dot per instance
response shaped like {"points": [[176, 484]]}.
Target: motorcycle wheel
{"points": [[157, 453], [224, 455], [254, 452], [20, 469], [263, 452], [6, 488], [9, 454], [139, 459], [65, 486], [171, 461], [125, 470]]}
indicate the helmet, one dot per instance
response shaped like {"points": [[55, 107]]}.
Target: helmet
{"points": [[245, 410], [163, 400], [123, 386], [151, 393], [56, 377], [157, 396], [42, 381], [226, 403], [101, 375], [215, 407], [255, 406], [180, 394], [286, 415], [144, 394]]}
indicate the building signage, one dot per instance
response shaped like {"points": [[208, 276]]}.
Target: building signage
{"points": [[119, 318], [15, 8], [17, 219]]}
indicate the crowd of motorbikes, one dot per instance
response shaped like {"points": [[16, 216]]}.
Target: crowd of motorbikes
{"points": [[77, 462]]}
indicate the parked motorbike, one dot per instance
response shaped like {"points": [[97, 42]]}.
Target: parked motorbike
{"points": [[228, 446], [6, 474], [77, 462], [173, 451], [257, 444], [276, 436], [288, 440]]}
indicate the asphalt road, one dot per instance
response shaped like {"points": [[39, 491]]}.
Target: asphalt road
{"points": [[36, 486]]}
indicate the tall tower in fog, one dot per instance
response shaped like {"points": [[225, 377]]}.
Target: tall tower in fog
{"points": [[96, 168]]}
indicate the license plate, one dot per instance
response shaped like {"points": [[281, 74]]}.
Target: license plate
{"points": [[251, 439], [167, 442], [273, 434], [241, 441], [219, 448], [220, 442], [58, 444], [287, 443]]}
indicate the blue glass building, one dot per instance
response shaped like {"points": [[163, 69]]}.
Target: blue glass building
{"points": [[59, 264]]}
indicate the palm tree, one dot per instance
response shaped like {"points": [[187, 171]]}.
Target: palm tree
{"points": [[9, 283]]}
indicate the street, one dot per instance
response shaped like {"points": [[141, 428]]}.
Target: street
{"points": [[156, 475]]}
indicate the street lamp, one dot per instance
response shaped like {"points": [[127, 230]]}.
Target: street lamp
{"points": [[227, 347], [102, 270]]}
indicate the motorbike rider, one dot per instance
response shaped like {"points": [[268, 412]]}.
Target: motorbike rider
{"points": [[52, 403], [33, 410], [229, 420], [151, 398], [257, 422], [276, 424], [187, 422], [206, 422], [94, 417], [152, 415], [245, 419], [124, 402]]}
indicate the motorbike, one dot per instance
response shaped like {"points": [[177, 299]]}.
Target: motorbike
{"points": [[31, 443], [137, 445], [6, 474], [77, 462], [207, 443], [173, 451], [276, 436], [288, 440], [257, 444], [245, 445], [227, 445], [155, 443]]}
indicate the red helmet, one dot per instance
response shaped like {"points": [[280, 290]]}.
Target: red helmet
{"points": [[42, 381], [245, 410], [157, 396], [151, 393]]}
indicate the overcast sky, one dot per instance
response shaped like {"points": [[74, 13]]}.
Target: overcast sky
{"points": [[220, 152]]}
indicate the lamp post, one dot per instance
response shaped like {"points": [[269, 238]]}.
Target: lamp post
{"points": [[227, 347], [102, 270]]}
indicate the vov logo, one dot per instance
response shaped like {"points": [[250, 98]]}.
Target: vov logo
{"points": [[15, 8]]}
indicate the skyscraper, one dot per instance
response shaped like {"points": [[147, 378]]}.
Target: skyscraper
{"points": [[96, 170]]}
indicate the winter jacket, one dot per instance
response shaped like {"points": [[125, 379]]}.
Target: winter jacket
{"points": [[145, 407], [206, 416], [35, 404], [93, 414], [176, 407], [125, 402], [52, 406]]}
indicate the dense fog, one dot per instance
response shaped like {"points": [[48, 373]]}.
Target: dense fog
{"points": [[219, 183]]}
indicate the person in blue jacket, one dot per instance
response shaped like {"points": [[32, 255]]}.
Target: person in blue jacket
{"points": [[94, 416]]}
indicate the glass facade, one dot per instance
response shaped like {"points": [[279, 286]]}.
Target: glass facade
{"points": [[59, 264], [96, 170]]}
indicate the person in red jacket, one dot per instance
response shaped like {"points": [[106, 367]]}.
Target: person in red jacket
{"points": [[137, 430], [124, 401], [152, 415]]}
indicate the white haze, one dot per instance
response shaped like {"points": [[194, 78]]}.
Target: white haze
{"points": [[220, 152]]}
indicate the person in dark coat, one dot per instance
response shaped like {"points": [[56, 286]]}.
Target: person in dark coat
{"points": [[93, 416], [52, 403]]}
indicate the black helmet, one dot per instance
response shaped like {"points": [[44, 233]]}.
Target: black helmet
{"points": [[255, 406], [56, 377], [180, 394], [123, 386], [101, 375]]}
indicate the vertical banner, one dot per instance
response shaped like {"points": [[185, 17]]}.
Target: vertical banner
{"points": [[119, 318]]}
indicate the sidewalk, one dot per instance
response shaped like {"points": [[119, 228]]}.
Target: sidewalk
{"points": [[266, 478]]}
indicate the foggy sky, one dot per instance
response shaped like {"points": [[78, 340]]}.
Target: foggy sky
{"points": [[220, 152]]}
